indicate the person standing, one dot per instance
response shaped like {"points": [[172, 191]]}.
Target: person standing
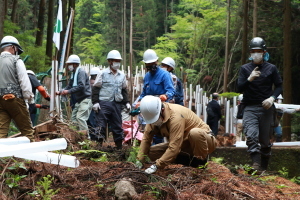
{"points": [[107, 99], [79, 86], [214, 113], [256, 80], [187, 134], [15, 88], [36, 85], [238, 120]]}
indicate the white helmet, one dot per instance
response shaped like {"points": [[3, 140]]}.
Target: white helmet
{"points": [[149, 56], [95, 71], [240, 97], [73, 59], [30, 72], [114, 54], [10, 40], [150, 108], [169, 61], [280, 97]]}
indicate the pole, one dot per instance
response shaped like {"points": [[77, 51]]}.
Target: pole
{"points": [[130, 60]]}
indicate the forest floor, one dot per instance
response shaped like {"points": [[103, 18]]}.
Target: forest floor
{"points": [[100, 169]]}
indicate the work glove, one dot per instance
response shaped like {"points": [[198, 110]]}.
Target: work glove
{"points": [[163, 97], [47, 98], [151, 169], [138, 164], [45, 106], [267, 103], [96, 107], [128, 106], [254, 74]]}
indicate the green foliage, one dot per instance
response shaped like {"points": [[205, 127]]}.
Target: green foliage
{"points": [[229, 95], [85, 145], [284, 172], [153, 191], [44, 189], [103, 158], [248, 169], [281, 186], [296, 180], [12, 180], [218, 160]]}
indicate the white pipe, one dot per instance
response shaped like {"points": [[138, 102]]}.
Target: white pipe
{"points": [[227, 116], [33, 147], [14, 141], [52, 158], [288, 106], [276, 144]]}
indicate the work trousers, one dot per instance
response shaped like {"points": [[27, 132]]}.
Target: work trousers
{"points": [[198, 144], [110, 114], [15, 109], [81, 113], [258, 126], [213, 125]]}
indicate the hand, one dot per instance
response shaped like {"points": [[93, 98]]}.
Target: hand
{"points": [[254, 74], [163, 97], [128, 106], [138, 164], [137, 104], [65, 92], [45, 106], [267, 103], [96, 107], [47, 98], [151, 169], [297, 109], [57, 93]]}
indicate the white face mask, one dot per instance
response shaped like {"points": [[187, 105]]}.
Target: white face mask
{"points": [[116, 65], [163, 68], [159, 122], [71, 68], [257, 57]]}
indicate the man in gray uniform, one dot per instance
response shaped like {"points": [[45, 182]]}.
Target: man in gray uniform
{"points": [[256, 80]]}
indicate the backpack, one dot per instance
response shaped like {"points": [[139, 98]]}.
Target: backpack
{"points": [[209, 111]]}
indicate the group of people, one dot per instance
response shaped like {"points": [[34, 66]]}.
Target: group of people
{"points": [[100, 98]]}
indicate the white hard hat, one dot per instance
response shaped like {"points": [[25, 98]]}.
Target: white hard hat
{"points": [[280, 97], [95, 71], [169, 61], [11, 40], [30, 72], [73, 59], [150, 108], [149, 56], [240, 98], [114, 54]]}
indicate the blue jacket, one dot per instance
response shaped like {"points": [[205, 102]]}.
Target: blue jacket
{"points": [[158, 83]]}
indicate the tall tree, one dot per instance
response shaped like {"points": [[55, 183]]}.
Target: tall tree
{"points": [[287, 57], [227, 48], [49, 45], [41, 22], [2, 2], [14, 11], [245, 31], [254, 18]]}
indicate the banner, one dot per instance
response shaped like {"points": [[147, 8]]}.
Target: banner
{"points": [[58, 26]]}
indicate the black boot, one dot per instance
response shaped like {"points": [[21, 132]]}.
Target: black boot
{"points": [[264, 162], [255, 160], [196, 162], [119, 144]]}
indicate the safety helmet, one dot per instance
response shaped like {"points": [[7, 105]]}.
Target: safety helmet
{"points": [[240, 97], [114, 54], [280, 97], [11, 40], [30, 72], [257, 43], [95, 71], [150, 108], [73, 59], [169, 61], [149, 56]]}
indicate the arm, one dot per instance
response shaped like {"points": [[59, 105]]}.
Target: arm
{"points": [[95, 94], [168, 86], [24, 80], [146, 142], [277, 82], [81, 79], [43, 92], [242, 80]]}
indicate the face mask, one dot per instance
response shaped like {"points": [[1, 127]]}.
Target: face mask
{"points": [[71, 68], [159, 122], [163, 68], [257, 57], [116, 65]]}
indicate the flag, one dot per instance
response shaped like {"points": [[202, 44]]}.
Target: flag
{"points": [[58, 26]]}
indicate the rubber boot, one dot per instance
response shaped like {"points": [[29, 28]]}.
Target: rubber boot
{"points": [[278, 138], [255, 160], [264, 162], [119, 144]]}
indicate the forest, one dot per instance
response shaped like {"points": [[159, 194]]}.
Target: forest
{"points": [[206, 38]]}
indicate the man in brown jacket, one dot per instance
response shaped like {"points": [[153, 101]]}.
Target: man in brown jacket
{"points": [[187, 134]]}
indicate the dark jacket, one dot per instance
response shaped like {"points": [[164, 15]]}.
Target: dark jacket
{"points": [[215, 106]]}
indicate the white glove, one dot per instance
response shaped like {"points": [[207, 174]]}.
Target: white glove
{"points": [[128, 106], [96, 107], [254, 74], [267, 103], [151, 169]]}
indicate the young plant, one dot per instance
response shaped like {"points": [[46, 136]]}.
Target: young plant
{"points": [[218, 160], [13, 180], [43, 188], [284, 172]]}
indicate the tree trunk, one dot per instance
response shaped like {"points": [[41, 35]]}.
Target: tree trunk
{"points": [[2, 18], [41, 21], [5, 8], [287, 65], [254, 18], [245, 32], [227, 48], [49, 44], [14, 11], [72, 5], [124, 35]]}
